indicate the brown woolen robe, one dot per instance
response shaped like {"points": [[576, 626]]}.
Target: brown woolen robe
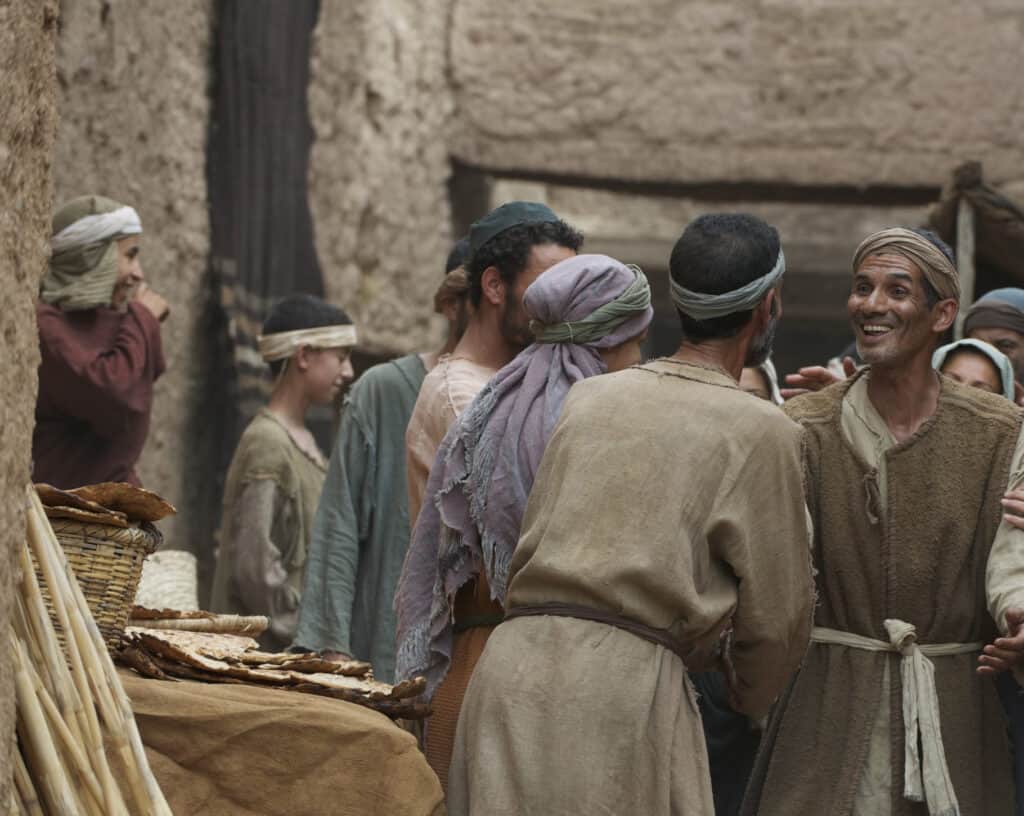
{"points": [[96, 377], [924, 562]]}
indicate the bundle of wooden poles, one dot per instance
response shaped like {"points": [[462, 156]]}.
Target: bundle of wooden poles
{"points": [[79, 749]]}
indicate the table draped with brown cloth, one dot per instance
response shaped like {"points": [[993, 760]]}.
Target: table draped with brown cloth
{"points": [[245, 750]]}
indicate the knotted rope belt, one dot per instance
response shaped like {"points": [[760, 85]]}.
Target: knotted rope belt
{"points": [[924, 780]]}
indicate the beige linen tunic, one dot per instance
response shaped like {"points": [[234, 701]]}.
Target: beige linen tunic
{"points": [[447, 391], [670, 497], [870, 437]]}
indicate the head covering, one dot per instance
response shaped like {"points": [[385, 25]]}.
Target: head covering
{"points": [[83, 263], [484, 469], [457, 257], [505, 217], [999, 309], [999, 360], [702, 306], [282, 345], [937, 269]]}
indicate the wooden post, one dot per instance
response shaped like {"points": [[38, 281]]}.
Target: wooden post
{"points": [[965, 259]]}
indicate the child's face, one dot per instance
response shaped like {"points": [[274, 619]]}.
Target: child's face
{"points": [[327, 372]]}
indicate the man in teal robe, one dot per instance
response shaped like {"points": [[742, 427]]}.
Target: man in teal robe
{"points": [[361, 530]]}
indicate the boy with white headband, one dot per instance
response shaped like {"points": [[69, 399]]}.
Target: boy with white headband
{"points": [[277, 473], [99, 339]]}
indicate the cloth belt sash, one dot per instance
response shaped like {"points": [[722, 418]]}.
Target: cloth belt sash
{"points": [[924, 780], [659, 637]]}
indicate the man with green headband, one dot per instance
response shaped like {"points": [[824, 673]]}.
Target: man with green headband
{"points": [[99, 339]]}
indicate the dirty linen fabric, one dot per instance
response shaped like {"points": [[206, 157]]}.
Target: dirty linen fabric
{"points": [[241, 750], [871, 783], [446, 392], [476, 494], [449, 388], [270, 498], [670, 497], [361, 528], [96, 377]]}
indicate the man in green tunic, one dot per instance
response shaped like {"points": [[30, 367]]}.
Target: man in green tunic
{"points": [[361, 529]]}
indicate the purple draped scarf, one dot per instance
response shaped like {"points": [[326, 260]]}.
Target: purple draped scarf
{"points": [[481, 478]]}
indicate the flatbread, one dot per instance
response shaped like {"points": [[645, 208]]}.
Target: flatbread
{"points": [[145, 613], [135, 502], [52, 496], [232, 659], [108, 517]]}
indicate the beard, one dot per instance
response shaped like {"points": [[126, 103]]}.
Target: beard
{"points": [[761, 346], [515, 325]]}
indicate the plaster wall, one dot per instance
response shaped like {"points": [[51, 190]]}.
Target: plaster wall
{"points": [[27, 32], [380, 106], [817, 92], [134, 105]]}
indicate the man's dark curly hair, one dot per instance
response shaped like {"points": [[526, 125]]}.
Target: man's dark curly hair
{"points": [[509, 251]]}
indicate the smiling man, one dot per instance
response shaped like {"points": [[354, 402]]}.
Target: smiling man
{"points": [[99, 339], [892, 712]]}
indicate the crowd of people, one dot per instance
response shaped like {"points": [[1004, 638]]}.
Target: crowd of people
{"points": [[660, 587]]}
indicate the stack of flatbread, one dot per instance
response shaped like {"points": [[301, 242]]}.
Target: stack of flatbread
{"points": [[116, 504], [168, 654], [198, 620]]}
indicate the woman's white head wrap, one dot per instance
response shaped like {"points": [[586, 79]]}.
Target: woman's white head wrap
{"points": [[84, 267], [702, 306], [999, 360]]}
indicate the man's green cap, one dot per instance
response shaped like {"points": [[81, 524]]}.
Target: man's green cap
{"points": [[505, 217]]}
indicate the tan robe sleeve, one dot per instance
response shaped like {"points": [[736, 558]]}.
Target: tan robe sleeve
{"points": [[764, 536], [1004, 575]]}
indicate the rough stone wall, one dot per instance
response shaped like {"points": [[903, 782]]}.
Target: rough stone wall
{"points": [[134, 106], [380, 106], [800, 91], [27, 32]]}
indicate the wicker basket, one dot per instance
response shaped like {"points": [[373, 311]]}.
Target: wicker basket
{"points": [[107, 562]]}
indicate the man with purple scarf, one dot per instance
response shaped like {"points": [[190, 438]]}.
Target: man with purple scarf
{"points": [[589, 315], [509, 248]]}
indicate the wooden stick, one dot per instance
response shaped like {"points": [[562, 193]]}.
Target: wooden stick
{"points": [[47, 655], [42, 548], [86, 645], [35, 736], [67, 739], [26, 791]]}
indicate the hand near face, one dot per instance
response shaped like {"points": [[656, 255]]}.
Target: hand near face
{"points": [[1005, 653], [157, 306], [815, 378]]}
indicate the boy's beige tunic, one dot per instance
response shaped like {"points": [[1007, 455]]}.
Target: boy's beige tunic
{"points": [[669, 497], [942, 487], [270, 499]]}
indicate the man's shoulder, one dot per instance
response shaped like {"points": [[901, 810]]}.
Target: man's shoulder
{"points": [[816, 406], [405, 373]]}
